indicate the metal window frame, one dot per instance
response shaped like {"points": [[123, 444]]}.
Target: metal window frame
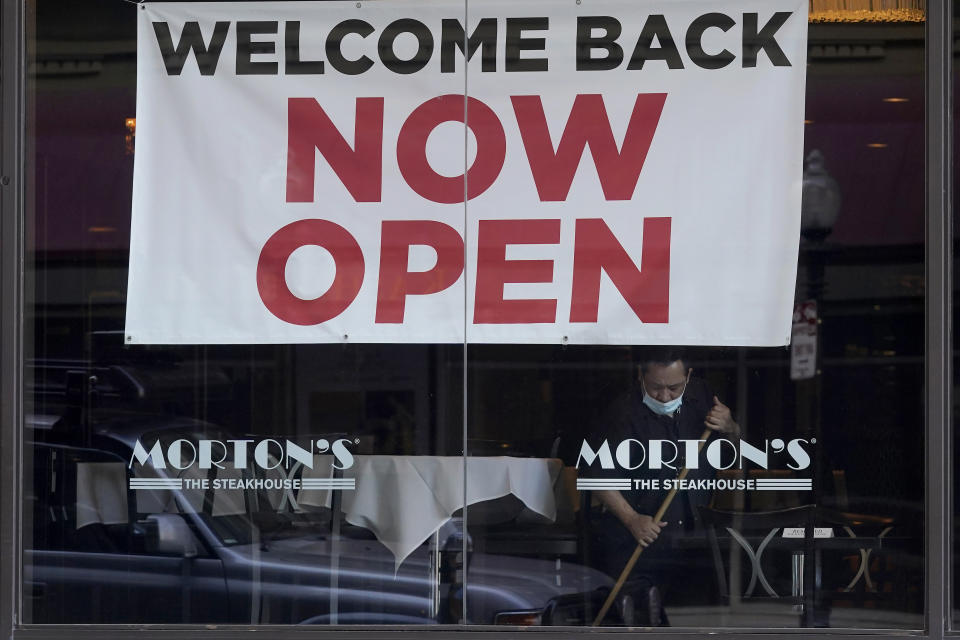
{"points": [[937, 389], [939, 343], [12, 73]]}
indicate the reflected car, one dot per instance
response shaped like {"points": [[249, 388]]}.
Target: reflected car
{"points": [[103, 553]]}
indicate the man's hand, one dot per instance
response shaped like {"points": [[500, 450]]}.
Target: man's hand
{"points": [[644, 529], [720, 419]]}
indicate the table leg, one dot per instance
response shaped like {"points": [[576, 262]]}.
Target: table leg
{"points": [[796, 589], [756, 569], [335, 515], [863, 571], [434, 581]]}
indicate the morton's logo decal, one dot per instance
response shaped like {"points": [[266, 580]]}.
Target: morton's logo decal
{"points": [[317, 462], [719, 454]]}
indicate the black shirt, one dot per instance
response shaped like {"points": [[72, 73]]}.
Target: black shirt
{"points": [[629, 418]]}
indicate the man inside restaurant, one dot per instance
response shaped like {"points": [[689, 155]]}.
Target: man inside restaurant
{"points": [[667, 404]]}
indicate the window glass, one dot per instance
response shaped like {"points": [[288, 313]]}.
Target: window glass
{"points": [[325, 484], [125, 522], [842, 550]]}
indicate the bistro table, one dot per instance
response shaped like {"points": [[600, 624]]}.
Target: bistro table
{"points": [[818, 533]]}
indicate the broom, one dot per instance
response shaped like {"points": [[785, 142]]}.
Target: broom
{"points": [[636, 553]]}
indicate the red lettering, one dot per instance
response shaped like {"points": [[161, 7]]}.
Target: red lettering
{"points": [[494, 270], [309, 130], [271, 268], [588, 124], [412, 149], [646, 290], [396, 282]]}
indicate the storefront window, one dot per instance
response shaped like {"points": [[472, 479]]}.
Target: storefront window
{"points": [[724, 557], [108, 540], [463, 481]]}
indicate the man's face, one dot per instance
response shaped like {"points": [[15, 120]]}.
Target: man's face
{"points": [[665, 382]]}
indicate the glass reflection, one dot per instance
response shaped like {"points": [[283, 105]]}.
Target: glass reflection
{"points": [[100, 550], [837, 543]]}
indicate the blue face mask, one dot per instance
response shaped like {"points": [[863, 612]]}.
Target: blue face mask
{"points": [[663, 408]]}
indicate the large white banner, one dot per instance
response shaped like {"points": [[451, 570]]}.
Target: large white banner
{"points": [[599, 172]]}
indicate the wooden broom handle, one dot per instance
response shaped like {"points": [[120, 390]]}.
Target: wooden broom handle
{"points": [[636, 552]]}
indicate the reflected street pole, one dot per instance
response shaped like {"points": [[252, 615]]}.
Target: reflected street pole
{"points": [[819, 210]]}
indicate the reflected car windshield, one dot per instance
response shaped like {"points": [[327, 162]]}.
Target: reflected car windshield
{"points": [[240, 516], [266, 525]]}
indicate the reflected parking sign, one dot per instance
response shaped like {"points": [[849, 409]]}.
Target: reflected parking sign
{"points": [[803, 341]]}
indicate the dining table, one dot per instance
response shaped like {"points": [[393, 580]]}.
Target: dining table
{"points": [[406, 499]]}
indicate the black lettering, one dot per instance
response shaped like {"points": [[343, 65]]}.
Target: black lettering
{"points": [[424, 46], [587, 42], [484, 37], [335, 54], [191, 40], [247, 48], [293, 65], [754, 40], [655, 26], [695, 41], [517, 43]]}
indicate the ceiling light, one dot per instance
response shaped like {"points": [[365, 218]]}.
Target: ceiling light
{"points": [[877, 145], [896, 99]]}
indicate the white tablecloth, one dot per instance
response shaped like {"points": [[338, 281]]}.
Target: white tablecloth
{"points": [[405, 499], [101, 493]]}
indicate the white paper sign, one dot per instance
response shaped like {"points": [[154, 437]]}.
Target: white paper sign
{"points": [[798, 532], [633, 172]]}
